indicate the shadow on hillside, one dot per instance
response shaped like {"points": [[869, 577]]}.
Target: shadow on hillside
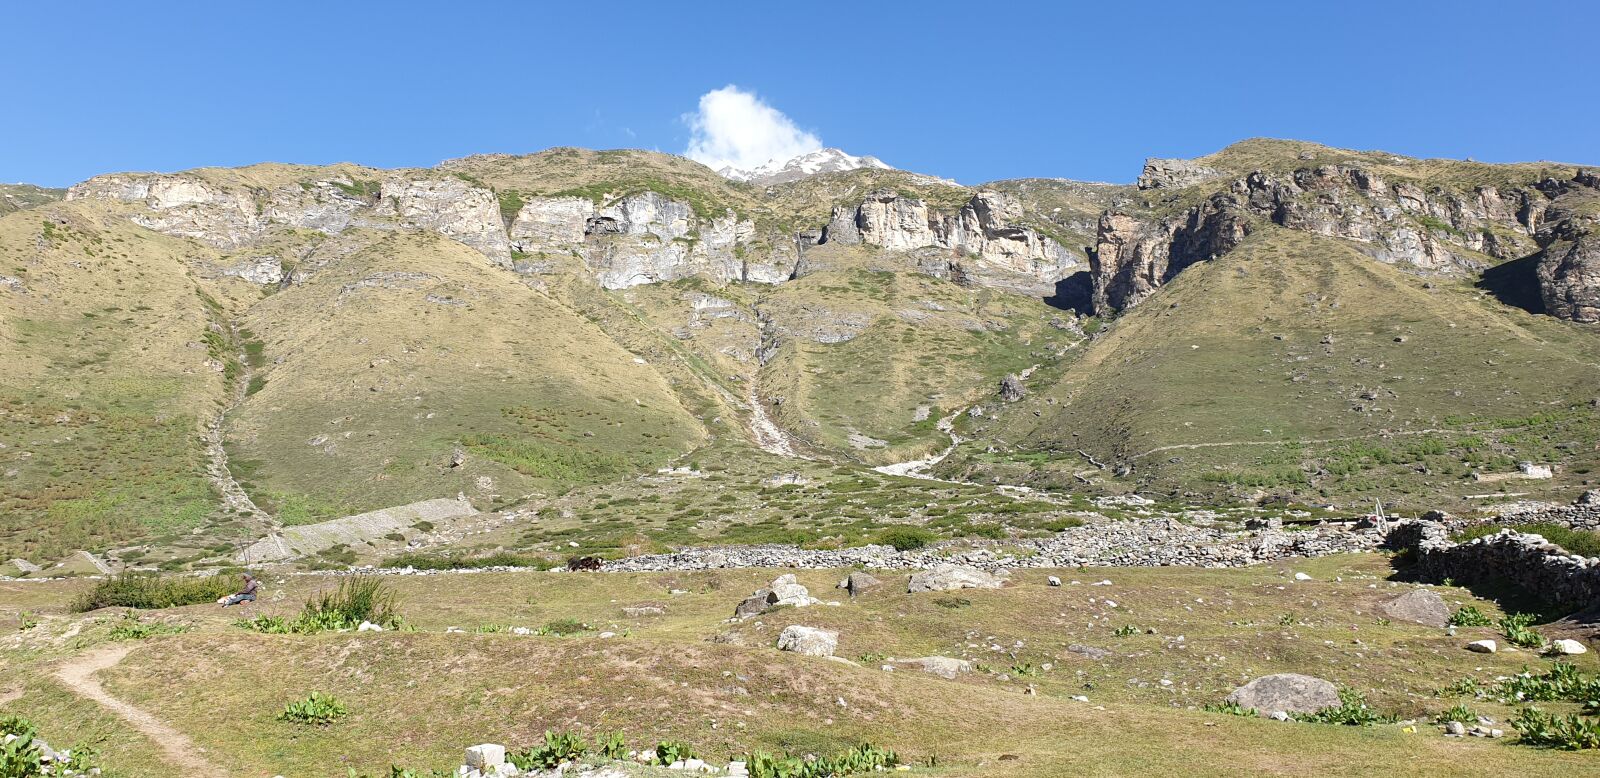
{"points": [[1515, 283], [1074, 293]]}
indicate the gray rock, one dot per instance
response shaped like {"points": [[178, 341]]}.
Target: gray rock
{"points": [[1011, 389], [808, 641], [1289, 692], [946, 578], [942, 666], [1419, 606], [857, 583], [755, 604], [1483, 647], [1092, 652]]}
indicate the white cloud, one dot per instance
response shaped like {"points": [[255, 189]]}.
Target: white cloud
{"points": [[734, 127]]}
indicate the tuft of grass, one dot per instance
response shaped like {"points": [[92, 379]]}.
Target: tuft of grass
{"points": [[905, 538], [132, 628], [357, 599]]}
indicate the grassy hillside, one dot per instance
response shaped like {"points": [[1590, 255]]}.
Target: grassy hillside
{"points": [[378, 368], [1294, 365], [109, 375]]}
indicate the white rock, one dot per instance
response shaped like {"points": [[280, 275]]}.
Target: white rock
{"points": [[1053, 581], [1567, 646], [1301, 577], [367, 626], [808, 641], [486, 755], [1482, 646]]}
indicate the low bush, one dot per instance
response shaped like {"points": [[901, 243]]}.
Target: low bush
{"points": [[316, 709], [906, 538], [152, 591], [23, 757]]}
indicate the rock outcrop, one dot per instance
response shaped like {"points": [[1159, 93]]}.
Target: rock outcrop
{"points": [[451, 207], [647, 238], [1172, 173], [808, 641], [1568, 268], [1400, 222], [986, 230], [946, 578]]}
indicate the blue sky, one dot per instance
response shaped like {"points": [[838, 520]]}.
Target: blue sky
{"points": [[971, 91]]}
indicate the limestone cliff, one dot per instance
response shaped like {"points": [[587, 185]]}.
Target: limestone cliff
{"points": [[986, 233]]}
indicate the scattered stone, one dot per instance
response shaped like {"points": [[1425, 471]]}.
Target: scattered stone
{"points": [[1455, 728], [367, 626], [946, 578], [637, 611], [808, 641], [1419, 606], [754, 605], [1483, 646], [1301, 577], [1288, 692], [1011, 389], [1091, 652], [1053, 581]]}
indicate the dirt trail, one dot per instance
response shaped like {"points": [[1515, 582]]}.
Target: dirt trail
{"points": [[78, 675]]}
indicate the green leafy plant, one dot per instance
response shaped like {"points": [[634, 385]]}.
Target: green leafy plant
{"points": [[1469, 616], [1286, 620], [316, 709], [1463, 687], [1125, 630], [26, 621], [1351, 711], [859, 759], [357, 599], [1518, 630], [669, 751], [1457, 712], [1563, 681], [611, 745], [558, 747], [1230, 707], [1571, 732]]}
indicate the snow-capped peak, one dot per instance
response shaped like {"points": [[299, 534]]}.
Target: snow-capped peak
{"points": [[777, 171]]}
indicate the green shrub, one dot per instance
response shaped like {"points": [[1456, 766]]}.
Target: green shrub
{"points": [[154, 591], [1126, 630], [905, 538], [317, 708], [669, 751], [1563, 681], [558, 747], [1351, 711], [1571, 732], [1469, 616]]}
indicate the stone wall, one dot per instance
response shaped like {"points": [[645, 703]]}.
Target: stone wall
{"points": [[1563, 580]]}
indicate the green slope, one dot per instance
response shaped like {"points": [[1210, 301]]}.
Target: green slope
{"points": [[1295, 365]]}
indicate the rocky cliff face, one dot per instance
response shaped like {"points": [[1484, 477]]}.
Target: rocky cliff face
{"points": [[647, 238], [1431, 230], [1568, 268], [986, 229], [451, 207]]}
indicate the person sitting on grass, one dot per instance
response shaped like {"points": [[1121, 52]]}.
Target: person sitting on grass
{"points": [[247, 594]]}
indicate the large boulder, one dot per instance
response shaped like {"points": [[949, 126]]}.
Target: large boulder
{"points": [[755, 604], [1419, 606], [1286, 692], [809, 641], [946, 578]]}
